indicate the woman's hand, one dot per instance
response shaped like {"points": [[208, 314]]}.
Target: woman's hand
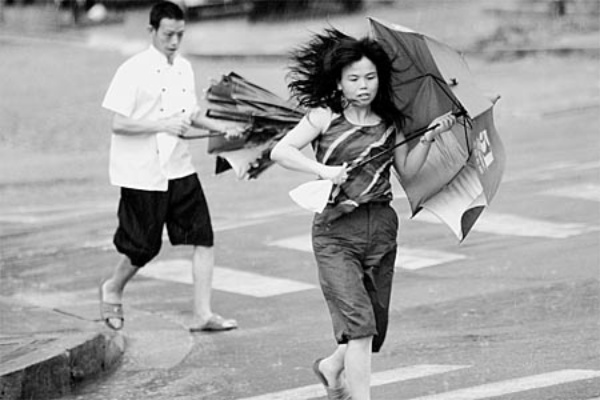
{"points": [[442, 124], [336, 174]]}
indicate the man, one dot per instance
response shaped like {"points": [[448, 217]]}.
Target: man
{"points": [[154, 102]]}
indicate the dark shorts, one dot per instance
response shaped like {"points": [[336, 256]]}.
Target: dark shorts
{"points": [[143, 215], [355, 255]]}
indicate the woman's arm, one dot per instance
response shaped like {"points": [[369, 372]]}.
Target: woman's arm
{"points": [[408, 164], [288, 152]]}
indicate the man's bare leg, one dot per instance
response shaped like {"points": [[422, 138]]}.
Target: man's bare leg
{"points": [[112, 292], [203, 261]]}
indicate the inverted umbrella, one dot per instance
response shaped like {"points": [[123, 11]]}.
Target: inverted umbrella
{"points": [[265, 116], [465, 166]]}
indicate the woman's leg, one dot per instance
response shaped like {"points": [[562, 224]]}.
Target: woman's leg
{"points": [[358, 368], [331, 367]]}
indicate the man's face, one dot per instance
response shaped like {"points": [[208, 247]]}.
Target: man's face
{"points": [[168, 36]]}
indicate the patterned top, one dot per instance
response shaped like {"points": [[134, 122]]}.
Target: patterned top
{"points": [[346, 142]]}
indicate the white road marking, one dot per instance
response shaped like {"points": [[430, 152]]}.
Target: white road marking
{"points": [[225, 279], [377, 379], [300, 242], [585, 192], [44, 215], [407, 258], [232, 224], [502, 388], [52, 208], [513, 225], [413, 259], [63, 212], [550, 172], [256, 218]]}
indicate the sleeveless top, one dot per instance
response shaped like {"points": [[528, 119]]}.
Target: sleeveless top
{"points": [[346, 142]]}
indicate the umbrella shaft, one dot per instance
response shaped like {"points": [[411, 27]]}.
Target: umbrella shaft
{"points": [[416, 134], [202, 135]]}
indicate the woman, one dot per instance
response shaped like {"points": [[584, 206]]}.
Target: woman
{"points": [[345, 84]]}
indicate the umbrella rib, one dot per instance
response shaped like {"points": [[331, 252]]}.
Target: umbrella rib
{"points": [[440, 82], [461, 110], [437, 79]]}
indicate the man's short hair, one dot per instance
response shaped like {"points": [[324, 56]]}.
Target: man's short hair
{"points": [[165, 9]]}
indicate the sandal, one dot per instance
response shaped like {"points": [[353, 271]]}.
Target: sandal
{"points": [[215, 323], [111, 311]]}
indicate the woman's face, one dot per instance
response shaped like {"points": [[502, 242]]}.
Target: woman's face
{"points": [[359, 82]]}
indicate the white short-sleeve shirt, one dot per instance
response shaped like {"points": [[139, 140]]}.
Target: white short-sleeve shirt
{"points": [[146, 86]]}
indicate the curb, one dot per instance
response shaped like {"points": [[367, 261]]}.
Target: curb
{"points": [[57, 367]]}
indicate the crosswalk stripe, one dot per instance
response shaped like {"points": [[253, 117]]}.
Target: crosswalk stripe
{"points": [[515, 385], [225, 279], [413, 259], [407, 258], [584, 192], [377, 379], [256, 218], [51, 214], [550, 172], [513, 225]]}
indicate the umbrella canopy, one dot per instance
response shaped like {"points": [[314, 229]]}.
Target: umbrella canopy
{"points": [[265, 116], [465, 166]]}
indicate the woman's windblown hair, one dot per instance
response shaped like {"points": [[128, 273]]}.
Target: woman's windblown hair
{"points": [[316, 69], [313, 78]]}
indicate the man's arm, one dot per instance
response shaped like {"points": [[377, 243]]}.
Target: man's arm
{"points": [[198, 120], [122, 125]]}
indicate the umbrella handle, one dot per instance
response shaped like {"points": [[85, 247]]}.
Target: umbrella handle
{"points": [[209, 134]]}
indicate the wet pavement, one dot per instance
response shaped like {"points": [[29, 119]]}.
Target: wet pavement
{"points": [[51, 341]]}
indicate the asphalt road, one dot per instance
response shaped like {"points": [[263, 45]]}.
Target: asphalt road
{"points": [[512, 313]]}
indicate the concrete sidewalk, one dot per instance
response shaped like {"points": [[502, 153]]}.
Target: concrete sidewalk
{"points": [[44, 353]]}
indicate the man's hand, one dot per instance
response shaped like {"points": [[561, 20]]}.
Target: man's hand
{"points": [[176, 126], [234, 132]]}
